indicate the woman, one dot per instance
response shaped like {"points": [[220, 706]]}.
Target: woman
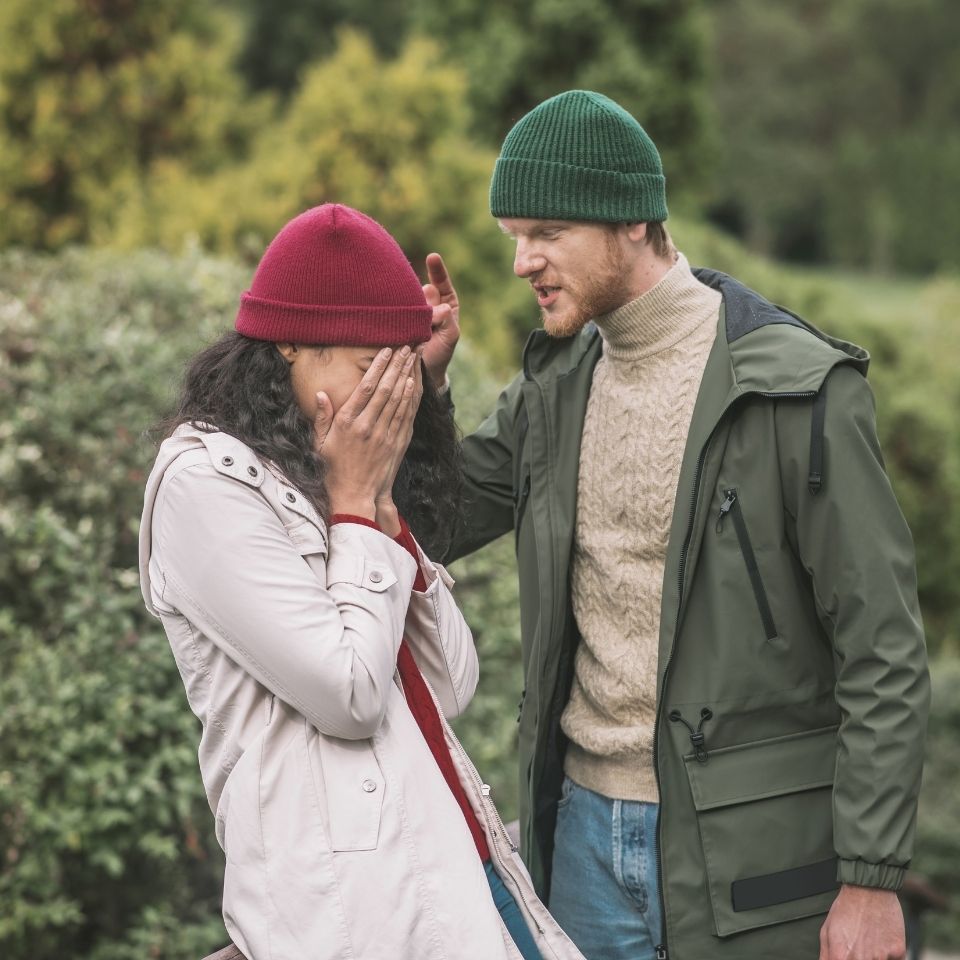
{"points": [[319, 646]]}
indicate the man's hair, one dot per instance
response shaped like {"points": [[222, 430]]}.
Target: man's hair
{"points": [[659, 238], [242, 387]]}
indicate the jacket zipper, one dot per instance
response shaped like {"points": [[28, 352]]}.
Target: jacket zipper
{"points": [[522, 501], [731, 505], [661, 949], [662, 953]]}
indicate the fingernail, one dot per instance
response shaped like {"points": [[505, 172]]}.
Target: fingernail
{"points": [[405, 352], [385, 352]]}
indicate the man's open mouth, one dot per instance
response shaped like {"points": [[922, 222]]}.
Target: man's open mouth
{"points": [[546, 296]]}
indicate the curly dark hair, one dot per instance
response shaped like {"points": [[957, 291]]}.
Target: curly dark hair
{"points": [[242, 386]]}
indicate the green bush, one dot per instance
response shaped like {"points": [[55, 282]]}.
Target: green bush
{"points": [[107, 848]]}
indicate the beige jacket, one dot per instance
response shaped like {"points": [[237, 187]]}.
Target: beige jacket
{"points": [[342, 839]]}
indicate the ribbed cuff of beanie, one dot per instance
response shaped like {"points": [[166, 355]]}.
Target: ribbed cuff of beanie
{"points": [[548, 190], [366, 326]]}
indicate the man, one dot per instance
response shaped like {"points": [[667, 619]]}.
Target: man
{"points": [[726, 685]]}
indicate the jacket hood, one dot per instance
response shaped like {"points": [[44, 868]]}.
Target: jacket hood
{"points": [[768, 348]]}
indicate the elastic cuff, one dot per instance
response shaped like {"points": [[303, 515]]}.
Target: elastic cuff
{"points": [[350, 518], [883, 876]]}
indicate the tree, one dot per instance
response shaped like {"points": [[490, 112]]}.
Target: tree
{"points": [[93, 93], [839, 130], [649, 55]]}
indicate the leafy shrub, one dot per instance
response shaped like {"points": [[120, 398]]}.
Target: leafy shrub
{"points": [[107, 848]]}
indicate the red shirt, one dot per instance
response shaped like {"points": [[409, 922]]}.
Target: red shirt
{"points": [[421, 702]]}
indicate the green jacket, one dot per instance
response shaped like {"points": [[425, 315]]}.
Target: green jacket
{"points": [[790, 632]]}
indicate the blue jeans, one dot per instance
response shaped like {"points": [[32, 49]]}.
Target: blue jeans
{"points": [[605, 890], [511, 915]]}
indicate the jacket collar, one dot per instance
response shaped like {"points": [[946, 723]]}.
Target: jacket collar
{"points": [[760, 346]]}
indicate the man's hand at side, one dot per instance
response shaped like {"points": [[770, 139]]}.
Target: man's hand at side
{"points": [[440, 294], [863, 924]]}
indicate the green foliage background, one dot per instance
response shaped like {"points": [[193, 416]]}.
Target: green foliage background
{"points": [[153, 149]]}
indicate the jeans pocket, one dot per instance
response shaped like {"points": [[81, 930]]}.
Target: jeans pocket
{"points": [[566, 793]]}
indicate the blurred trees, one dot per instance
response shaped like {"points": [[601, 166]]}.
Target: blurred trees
{"points": [[840, 130], [648, 55], [94, 94]]}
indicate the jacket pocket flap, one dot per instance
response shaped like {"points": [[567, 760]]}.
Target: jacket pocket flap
{"points": [[354, 787], [765, 768]]}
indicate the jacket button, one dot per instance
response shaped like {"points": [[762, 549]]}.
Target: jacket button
{"points": [[227, 461], [375, 576], [252, 471], [369, 786], [291, 498]]}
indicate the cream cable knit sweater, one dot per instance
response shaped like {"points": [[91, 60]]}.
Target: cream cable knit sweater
{"points": [[641, 401]]}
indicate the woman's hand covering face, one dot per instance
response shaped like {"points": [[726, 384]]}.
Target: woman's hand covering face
{"points": [[364, 443]]}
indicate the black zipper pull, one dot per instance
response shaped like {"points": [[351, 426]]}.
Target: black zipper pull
{"points": [[726, 507], [662, 952], [523, 696], [697, 737]]}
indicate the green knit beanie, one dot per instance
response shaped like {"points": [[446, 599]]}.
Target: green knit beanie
{"points": [[579, 156]]}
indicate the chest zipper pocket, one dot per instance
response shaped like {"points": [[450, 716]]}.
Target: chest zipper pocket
{"points": [[521, 501], [731, 505]]}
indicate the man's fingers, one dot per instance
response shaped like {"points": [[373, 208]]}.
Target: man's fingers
{"points": [[322, 421], [441, 314], [432, 295], [438, 276]]}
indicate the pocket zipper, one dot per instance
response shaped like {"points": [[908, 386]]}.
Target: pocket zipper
{"points": [[522, 498], [731, 505]]}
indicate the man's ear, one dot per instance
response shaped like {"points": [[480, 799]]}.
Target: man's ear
{"points": [[289, 351], [637, 231]]}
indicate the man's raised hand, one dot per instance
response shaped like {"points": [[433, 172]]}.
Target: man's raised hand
{"points": [[443, 298]]}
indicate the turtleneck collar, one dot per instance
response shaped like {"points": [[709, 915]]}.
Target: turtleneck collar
{"points": [[660, 318]]}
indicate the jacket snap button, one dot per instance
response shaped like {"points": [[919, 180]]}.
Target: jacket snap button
{"points": [[291, 498], [227, 461], [375, 576], [252, 471], [368, 786]]}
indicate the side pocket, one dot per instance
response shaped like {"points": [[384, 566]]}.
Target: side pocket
{"points": [[731, 505], [353, 784], [765, 815]]}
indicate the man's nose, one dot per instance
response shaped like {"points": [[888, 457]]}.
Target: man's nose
{"points": [[527, 261]]}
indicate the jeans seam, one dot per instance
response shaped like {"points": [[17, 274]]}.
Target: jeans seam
{"points": [[616, 838]]}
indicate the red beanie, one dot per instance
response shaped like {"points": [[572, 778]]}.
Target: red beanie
{"points": [[333, 276]]}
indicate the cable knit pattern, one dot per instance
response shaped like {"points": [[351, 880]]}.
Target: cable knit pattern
{"points": [[638, 415]]}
